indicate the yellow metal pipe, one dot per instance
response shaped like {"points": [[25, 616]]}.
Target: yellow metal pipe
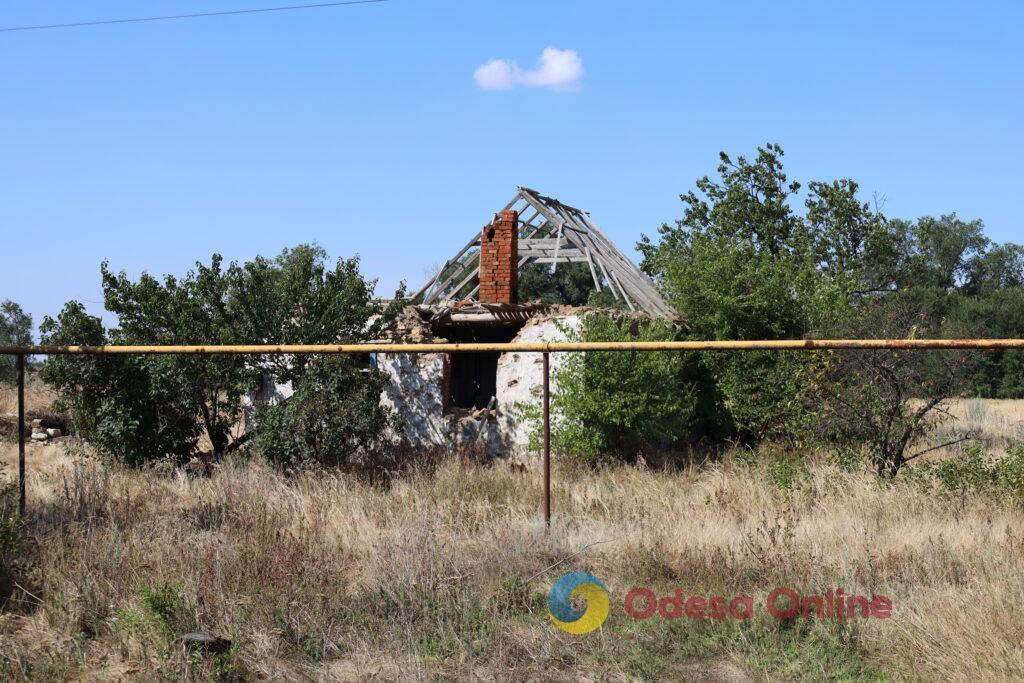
{"points": [[532, 347]]}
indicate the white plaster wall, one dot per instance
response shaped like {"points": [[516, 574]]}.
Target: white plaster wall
{"points": [[416, 394], [521, 378]]}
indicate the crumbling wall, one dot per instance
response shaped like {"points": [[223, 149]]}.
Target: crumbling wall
{"points": [[521, 377], [418, 392]]}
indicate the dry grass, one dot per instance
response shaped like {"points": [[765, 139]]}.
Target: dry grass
{"points": [[38, 398], [325, 577], [998, 422]]}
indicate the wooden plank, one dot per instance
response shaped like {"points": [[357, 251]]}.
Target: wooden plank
{"points": [[611, 284], [623, 269], [560, 259], [593, 273], [575, 254], [648, 285], [628, 302], [447, 263]]}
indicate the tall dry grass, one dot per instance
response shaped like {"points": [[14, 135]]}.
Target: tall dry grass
{"points": [[38, 398], [442, 574]]}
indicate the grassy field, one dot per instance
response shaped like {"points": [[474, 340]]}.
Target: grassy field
{"points": [[445, 572]]}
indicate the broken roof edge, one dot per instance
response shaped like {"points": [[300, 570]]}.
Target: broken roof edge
{"points": [[570, 235], [423, 324]]}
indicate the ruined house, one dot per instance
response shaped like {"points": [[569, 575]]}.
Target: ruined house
{"points": [[477, 400]]}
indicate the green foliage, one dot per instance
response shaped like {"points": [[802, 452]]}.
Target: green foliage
{"points": [[995, 313], [164, 606], [190, 310], [15, 330], [130, 408], [975, 472], [741, 265], [296, 298], [945, 252], [334, 418], [139, 408], [622, 405], [605, 299], [864, 398], [570, 283]]}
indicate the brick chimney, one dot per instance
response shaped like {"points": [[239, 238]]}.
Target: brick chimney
{"points": [[499, 259]]}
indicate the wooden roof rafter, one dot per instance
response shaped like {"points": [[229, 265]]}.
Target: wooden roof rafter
{"points": [[551, 232]]}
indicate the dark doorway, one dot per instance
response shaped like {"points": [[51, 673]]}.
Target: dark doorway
{"points": [[473, 379]]}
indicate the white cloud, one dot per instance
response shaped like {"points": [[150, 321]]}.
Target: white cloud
{"points": [[497, 74], [556, 69]]}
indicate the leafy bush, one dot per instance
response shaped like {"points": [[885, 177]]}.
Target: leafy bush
{"points": [[622, 405], [862, 397], [334, 418], [129, 407], [139, 408], [976, 472]]}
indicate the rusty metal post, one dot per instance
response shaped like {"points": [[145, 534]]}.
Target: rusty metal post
{"points": [[21, 434], [547, 445]]}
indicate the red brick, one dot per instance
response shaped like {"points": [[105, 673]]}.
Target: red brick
{"points": [[499, 272]]}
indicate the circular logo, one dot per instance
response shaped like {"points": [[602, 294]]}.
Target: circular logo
{"points": [[578, 585]]}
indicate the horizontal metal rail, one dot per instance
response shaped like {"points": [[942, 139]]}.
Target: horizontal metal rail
{"points": [[530, 347], [525, 347]]}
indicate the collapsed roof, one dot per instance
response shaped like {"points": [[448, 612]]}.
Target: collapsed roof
{"points": [[552, 232]]}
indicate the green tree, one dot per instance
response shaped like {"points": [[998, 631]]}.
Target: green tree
{"points": [[946, 250], [297, 298], [15, 330], [886, 400], [137, 408], [189, 310], [1000, 267], [741, 265], [853, 243], [999, 313]]}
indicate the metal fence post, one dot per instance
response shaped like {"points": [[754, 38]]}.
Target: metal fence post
{"points": [[547, 446], [21, 434]]}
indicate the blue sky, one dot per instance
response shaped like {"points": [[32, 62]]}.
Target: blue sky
{"points": [[363, 128]]}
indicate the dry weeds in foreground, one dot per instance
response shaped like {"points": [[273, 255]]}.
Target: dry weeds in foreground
{"points": [[325, 577]]}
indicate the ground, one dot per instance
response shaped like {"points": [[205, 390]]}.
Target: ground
{"points": [[445, 572]]}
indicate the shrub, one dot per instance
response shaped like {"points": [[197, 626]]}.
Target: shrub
{"points": [[128, 407], [622, 405], [975, 472], [334, 417], [862, 396]]}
